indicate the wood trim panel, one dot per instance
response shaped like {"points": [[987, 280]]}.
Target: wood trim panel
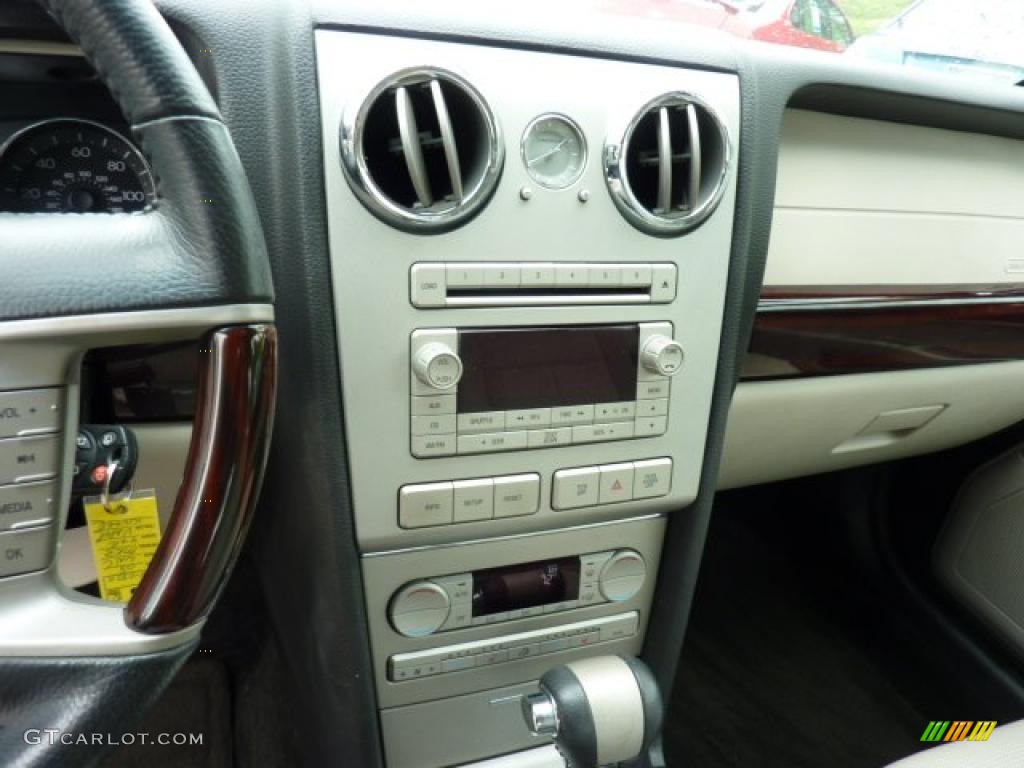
{"points": [[824, 330], [223, 473]]}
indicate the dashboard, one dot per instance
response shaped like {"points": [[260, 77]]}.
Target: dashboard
{"points": [[544, 290]]}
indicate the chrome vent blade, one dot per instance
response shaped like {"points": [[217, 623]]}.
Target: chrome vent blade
{"points": [[694, 130], [664, 162], [411, 147], [451, 154]]}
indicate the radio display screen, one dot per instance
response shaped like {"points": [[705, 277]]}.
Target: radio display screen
{"points": [[508, 369], [513, 587]]}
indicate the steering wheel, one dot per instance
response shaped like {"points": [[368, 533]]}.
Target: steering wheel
{"points": [[192, 266]]}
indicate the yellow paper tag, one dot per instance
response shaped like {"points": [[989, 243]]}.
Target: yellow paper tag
{"points": [[123, 541]]}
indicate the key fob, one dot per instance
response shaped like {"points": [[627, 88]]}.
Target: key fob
{"points": [[97, 447]]}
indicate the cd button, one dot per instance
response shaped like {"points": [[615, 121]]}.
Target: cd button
{"points": [[433, 425]]}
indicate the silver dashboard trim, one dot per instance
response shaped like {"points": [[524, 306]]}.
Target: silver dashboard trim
{"points": [[134, 321], [513, 536]]}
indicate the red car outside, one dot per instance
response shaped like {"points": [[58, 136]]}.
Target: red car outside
{"points": [[819, 24]]}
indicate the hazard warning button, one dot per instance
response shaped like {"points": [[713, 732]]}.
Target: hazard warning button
{"points": [[616, 483]]}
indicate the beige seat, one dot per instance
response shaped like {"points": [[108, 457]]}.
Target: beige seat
{"points": [[1004, 748]]}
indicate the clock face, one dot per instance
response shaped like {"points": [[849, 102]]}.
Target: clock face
{"points": [[554, 151]]}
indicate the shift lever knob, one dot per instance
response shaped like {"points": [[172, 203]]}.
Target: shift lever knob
{"points": [[600, 711]]}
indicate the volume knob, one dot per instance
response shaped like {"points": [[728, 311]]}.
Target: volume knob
{"points": [[419, 609], [437, 365], [662, 354]]}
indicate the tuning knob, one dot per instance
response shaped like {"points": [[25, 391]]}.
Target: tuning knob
{"points": [[662, 354], [437, 365]]}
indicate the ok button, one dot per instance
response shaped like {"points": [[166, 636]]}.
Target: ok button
{"points": [[25, 551]]}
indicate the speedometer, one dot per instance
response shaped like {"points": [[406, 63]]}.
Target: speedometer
{"points": [[73, 166]]}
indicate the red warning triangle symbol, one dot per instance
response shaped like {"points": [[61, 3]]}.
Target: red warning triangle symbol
{"points": [[617, 486]]}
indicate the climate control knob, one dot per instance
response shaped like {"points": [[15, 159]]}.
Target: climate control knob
{"points": [[662, 354], [622, 576], [419, 608], [437, 365]]}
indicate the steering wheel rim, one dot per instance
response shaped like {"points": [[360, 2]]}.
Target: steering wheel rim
{"points": [[193, 265]]}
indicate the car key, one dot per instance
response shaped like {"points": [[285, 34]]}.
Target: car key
{"points": [[102, 449]]}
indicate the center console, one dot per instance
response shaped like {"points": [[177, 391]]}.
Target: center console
{"points": [[529, 256]]}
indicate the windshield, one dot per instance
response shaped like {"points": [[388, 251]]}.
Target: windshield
{"points": [[980, 39]]}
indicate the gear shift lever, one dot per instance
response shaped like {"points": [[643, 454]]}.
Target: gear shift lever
{"points": [[600, 711]]}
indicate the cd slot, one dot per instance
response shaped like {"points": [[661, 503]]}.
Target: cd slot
{"points": [[492, 297], [488, 284]]}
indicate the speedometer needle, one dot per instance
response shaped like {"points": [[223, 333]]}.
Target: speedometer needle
{"points": [[549, 153]]}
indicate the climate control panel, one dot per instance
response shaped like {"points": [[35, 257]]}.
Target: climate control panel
{"points": [[495, 595]]}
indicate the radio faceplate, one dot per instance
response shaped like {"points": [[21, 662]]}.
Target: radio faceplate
{"points": [[380, 302], [487, 390]]}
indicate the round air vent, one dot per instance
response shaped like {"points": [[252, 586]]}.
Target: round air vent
{"points": [[423, 151], [669, 171]]}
